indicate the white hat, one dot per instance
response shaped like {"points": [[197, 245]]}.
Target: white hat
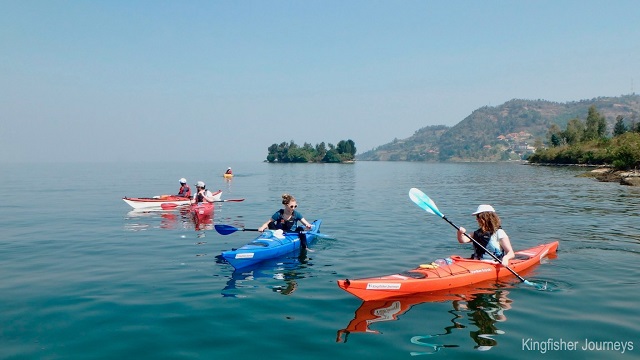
{"points": [[484, 208], [200, 184], [183, 181], [229, 168]]}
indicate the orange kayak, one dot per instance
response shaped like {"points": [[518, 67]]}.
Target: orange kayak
{"points": [[456, 272]]}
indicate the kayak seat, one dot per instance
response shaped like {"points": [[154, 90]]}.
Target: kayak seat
{"points": [[414, 274]]}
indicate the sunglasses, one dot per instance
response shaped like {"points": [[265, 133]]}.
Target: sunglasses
{"points": [[293, 206]]}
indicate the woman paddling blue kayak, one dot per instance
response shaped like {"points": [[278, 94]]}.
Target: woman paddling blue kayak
{"points": [[283, 236], [270, 244]]}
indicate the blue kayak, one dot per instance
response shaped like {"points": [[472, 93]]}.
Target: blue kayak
{"points": [[270, 244]]}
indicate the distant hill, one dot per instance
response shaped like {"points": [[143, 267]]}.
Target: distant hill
{"points": [[505, 132]]}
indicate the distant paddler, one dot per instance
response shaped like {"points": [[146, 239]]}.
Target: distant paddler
{"points": [[228, 174]]}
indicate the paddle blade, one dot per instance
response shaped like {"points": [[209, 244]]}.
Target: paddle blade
{"points": [[423, 201], [225, 229], [536, 285], [230, 200]]}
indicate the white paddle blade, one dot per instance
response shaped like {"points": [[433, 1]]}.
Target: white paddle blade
{"points": [[423, 201]]}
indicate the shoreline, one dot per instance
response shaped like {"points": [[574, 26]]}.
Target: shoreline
{"points": [[623, 177], [605, 173]]}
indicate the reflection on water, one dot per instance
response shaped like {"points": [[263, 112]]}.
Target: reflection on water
{"points": [[475, 309], [286, 271], [484, 310], [174, 219]]}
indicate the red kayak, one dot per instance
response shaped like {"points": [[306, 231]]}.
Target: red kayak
{"points": [[201, 211], [456, 272]]}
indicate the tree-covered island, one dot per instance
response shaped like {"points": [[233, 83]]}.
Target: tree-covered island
{"points": [[291, 152]]}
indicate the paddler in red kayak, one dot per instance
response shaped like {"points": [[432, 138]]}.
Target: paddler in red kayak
{"points": [[185, 190], [490, 235], [202, 194]]}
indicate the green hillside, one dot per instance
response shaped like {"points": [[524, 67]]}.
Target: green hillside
{"points": [[510, 131]]}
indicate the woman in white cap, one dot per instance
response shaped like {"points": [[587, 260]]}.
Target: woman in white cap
{"points": [[202, 194], [229, 172], [184, 191], [490, 235]]}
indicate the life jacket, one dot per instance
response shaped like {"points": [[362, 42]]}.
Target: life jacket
{"points": [[285, 225], [483, 238], [184, 191], [200, 197]]}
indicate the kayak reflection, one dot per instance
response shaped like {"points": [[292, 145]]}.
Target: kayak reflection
{"points": [[281, 275], [176, 218], [477, 309]]}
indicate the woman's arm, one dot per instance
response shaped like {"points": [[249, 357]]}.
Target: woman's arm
{"points": [[305, 223], [273, 218], [461, 235], [264, 226], [507, 250]]}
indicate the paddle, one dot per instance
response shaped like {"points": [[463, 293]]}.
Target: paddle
{"points": [[228, 229], [167, 206], [423, 201]]}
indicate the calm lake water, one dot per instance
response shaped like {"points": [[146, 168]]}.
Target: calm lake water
{"points": [[84, 277]]}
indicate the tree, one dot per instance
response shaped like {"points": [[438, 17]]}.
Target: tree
{"points": [[538, 144], [332, 156], [298, 155], [346, 149], [321, 151], [596, 125], [619, 128], [554, 135], [574, 132]]}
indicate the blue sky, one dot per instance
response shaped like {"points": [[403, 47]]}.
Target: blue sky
{"points": [[223, 80]]}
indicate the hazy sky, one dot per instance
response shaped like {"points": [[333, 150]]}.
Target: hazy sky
{"points": [[222, 80]]}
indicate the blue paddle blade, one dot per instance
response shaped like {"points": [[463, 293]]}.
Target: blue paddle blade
{"points": [[422, 200], [225, 229], [536, 285]]}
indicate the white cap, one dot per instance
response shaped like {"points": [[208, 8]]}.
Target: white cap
{"points": [[183, 181], [200, 184], [484, 208], [228, 168]]}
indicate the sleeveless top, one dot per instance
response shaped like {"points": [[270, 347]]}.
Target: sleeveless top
{"points": [[200, 198], [285, 225]]}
